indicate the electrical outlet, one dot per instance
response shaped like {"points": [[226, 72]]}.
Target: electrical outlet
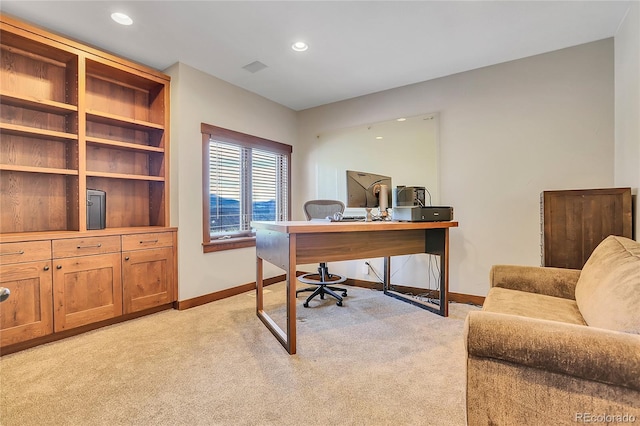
{"points": [[365, 268]]}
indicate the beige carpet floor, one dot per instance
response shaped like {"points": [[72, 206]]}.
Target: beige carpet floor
{"points": [[374, 361]]}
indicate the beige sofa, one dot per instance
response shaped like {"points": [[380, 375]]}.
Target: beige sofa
{"points": [[558, 346]]}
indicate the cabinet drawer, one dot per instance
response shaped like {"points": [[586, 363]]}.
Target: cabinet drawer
{"points": [[85, 246], [27, 251], [149, 240]]}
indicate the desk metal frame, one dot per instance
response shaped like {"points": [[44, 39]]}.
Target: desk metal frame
{"points": [[286, 244]]}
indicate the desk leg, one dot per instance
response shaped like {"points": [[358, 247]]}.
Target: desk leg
{"points": [[444, 278], [259, 286], [387, 275], [437, 243], [280, 250], [291, 297]]}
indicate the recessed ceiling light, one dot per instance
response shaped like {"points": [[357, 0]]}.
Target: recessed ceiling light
{"points": [[121, 18], [378, 137], [300, 46], [401, 119]]}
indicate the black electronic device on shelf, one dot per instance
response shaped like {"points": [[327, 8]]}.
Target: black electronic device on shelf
{"points": [[96, 209]]}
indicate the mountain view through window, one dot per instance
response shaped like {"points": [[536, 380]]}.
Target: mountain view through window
{"points": [[245, 184]]}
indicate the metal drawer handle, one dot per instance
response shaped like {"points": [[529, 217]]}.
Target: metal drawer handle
{"points": [[96, 246], [149, 241], [12, 253]]}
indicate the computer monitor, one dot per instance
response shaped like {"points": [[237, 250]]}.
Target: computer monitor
{"points": [[364, 189]]}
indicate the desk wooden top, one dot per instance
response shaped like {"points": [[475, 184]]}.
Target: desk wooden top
{"points": [[310, 227]]}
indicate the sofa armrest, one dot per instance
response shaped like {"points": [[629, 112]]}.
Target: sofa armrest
{"points": [[585, 352], [556, 282]]}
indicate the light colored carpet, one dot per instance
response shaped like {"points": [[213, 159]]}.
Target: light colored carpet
{"points": [[375, 361]]}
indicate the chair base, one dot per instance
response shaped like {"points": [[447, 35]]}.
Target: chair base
{"points": [[323, 287]]}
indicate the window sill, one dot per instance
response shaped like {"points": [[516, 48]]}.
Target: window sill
{"points": [[230, 244]]}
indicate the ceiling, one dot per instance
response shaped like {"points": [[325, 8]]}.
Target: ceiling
{"points": [[355, 48]]}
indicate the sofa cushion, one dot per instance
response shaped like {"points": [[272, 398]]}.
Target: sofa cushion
{"points": [[608, 290], [532, 305]]}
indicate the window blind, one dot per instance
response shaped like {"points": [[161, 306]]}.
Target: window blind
{"points": [[245, 184]]}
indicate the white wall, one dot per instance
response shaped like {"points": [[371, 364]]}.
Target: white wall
{"points": [[197, 97], [627, 106], [507, 132]]}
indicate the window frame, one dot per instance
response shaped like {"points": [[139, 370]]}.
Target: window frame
{"points": [[243, 140]]}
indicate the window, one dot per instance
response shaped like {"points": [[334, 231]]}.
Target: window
{"points": [[245, 178]]}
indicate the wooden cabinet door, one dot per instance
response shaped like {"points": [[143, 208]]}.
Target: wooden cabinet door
{"points": [[148, 278], [574, 222], [87, 289], [28, 312]]}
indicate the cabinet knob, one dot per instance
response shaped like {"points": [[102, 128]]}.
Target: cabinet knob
{"points": [[126, 258], [4, 293], [46, 267], [59, 267]]}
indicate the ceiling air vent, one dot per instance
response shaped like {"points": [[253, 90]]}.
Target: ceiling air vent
{"points": [[254, 67]]}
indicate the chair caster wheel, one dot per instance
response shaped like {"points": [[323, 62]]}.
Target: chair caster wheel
{"points": [[344, 294], [306, 305], [339, 303]]}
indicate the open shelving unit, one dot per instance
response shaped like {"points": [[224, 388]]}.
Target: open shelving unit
{"points": [[39, 163], [73, 118]]}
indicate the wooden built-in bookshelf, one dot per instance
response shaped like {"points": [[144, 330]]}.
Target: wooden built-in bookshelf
{"points": [[74, 118], [94, 120]]}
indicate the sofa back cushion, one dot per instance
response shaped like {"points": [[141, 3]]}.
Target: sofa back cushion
{"points": [[608, 290]]}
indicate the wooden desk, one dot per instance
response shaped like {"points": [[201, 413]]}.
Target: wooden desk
{"points": [[286, 244]]}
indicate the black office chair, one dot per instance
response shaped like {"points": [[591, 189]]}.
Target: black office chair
{"points": [[321, 209]]}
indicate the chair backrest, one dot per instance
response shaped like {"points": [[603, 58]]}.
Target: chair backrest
{"points": [[320, 209]]}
